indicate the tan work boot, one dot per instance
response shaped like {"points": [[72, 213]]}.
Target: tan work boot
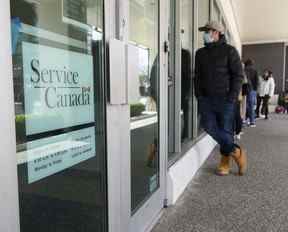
{"points": [[224, 166], [241, 160]]}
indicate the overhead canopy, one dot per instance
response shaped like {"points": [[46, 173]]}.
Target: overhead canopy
{"points": [[262, 20]]}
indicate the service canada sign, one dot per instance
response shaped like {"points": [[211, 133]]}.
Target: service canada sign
{"points": [[58, 88]]}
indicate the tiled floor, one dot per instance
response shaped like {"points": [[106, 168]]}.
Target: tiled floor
{"points": [[255, 202]]}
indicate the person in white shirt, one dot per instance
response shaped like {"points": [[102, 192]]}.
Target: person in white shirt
{"points": [[260, 93], [265, 92]]}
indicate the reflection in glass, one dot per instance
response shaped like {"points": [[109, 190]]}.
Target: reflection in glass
{"points": [[203, 18], [185, 34], [59, 107], [216, 12], [171, 81], [145, 102], [186, 22]]}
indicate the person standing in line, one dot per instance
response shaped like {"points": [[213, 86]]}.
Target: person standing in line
{"points": [[245, 91], [252, 77], [218, 78], [260, 94], [240, 107], [267, 91]]}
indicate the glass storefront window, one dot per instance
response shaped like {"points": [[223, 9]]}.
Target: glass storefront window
{"points": [[172, 62], [181, 36], [216, 11], [59, 104], [186, 24], [203, 18], [144, 34]]}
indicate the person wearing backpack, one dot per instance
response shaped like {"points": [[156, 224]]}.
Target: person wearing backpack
{"points": [[253, 81], [245, 92]]}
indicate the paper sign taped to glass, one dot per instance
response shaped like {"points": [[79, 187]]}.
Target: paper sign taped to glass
{"points": [[45, 157], [58, 88]]}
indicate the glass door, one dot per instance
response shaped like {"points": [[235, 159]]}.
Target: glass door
{"points": [[59, 106], [181, 108], [174, 61], [186, 40], [203, 17], [146, 198], [144, 108]]}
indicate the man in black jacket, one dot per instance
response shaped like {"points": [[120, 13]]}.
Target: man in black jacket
{"points": [[218, 78]]}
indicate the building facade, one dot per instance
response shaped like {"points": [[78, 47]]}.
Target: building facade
{"points": [[99, 127]]}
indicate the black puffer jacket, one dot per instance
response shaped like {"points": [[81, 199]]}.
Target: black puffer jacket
{"points": [[218, 71], [252, 77]]}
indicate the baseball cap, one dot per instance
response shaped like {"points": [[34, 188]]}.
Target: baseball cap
{"points": [[212, 25]]}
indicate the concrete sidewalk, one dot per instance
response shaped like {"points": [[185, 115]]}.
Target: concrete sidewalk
{"points": [[255, 202]]}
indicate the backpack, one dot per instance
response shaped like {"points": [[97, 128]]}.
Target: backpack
{"points": [[279, 109], [246, 88]]}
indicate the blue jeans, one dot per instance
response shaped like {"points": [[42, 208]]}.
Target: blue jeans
{"points": [[217, 119], [251, 102]]}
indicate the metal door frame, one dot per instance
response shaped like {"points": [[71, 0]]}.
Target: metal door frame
{"points": [[9, 202], [148, 214]]}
